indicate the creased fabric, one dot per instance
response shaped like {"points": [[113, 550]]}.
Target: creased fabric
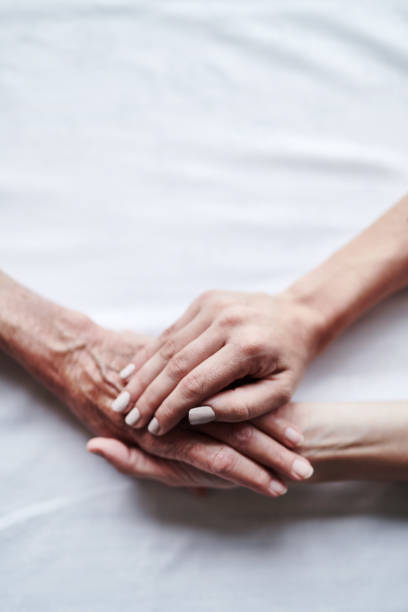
{"points": [[151, 150]]}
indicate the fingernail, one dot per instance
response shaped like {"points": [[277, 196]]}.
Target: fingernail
{"points": [[154, 426], [277, 488], [293, 436], [201, 415], [121, 401], [132, 417], [302, 469], [127, 371]]}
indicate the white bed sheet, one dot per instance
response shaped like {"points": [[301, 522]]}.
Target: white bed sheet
{"points": [[153, 149]]}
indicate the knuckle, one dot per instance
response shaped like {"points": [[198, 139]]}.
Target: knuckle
{"points": [[252, 347], [142, 354], [183, 451], [223, 461], [165, 335], [192, 385], [177, 366], [231, 316], [242, 411], [243, 434], [283, 396], [168, 349], [154, 445]]}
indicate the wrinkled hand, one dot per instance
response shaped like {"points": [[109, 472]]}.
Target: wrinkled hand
{"points": [[248, 438], [240, 354], [221, 456]]}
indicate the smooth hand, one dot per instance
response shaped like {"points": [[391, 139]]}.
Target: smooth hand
{"points": [[240, 354]]}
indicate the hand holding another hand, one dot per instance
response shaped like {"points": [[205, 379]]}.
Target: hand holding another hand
{"points": [[241, 354], [221, 455]]}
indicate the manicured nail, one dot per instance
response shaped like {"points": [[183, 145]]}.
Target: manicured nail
{"points": [[201, 415], [121, 401], [132, 417], [154, 426], [277, 488], [293, 436], [127, 371], [302, 469]]}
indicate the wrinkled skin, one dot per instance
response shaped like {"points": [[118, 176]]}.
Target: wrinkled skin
{"points": [[88, 380]]}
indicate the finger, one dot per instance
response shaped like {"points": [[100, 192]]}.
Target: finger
{"points": [[249, 401], [172, 354], [138, 463], [211, 375], [152, 347], [280, 429], [260, 447], [180, 365], [125, 459], [216, 458]]}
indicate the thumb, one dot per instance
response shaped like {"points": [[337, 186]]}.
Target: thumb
{"points": [[244, 402], [114, 451]]}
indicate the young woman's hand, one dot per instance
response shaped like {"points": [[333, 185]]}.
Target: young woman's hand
{"points": [[240, 354]]}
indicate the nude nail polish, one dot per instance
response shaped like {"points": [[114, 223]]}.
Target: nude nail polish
{"points": [[127, 371], [132, 417], [302, 469], [201, 415], [293, 436], [121, 402], [277, 488], [154, 426]]}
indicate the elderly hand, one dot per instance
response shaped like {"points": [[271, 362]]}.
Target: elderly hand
{"points": [[256, 441], [240, 354]]}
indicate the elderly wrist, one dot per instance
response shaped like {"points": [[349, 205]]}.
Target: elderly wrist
{"points": [[40, 334]]}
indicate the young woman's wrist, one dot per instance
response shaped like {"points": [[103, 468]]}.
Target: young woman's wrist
{"points": [[365, 271], [317, 322], [353, 440]]}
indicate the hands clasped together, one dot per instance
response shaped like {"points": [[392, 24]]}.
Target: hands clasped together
{"points": [[239, 354], [230, 364]]}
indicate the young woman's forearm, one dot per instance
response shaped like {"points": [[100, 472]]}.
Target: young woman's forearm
{"points": [[353, 440], [37, 332], [368, 269]]}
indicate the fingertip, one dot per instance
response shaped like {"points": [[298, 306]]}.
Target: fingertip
{"points": [[293, 436], [108, 448], [277, 488], [154, 427], [92, 446]]}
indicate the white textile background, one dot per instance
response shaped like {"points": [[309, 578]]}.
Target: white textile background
{"points": [[153, 149]]}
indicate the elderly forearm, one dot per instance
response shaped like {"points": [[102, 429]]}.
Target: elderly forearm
{"points": [[371, 267], [353, 440], [37, 332]]}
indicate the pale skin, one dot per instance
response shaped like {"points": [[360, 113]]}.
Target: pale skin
{"points": [[243, 355], [80, 362]]}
